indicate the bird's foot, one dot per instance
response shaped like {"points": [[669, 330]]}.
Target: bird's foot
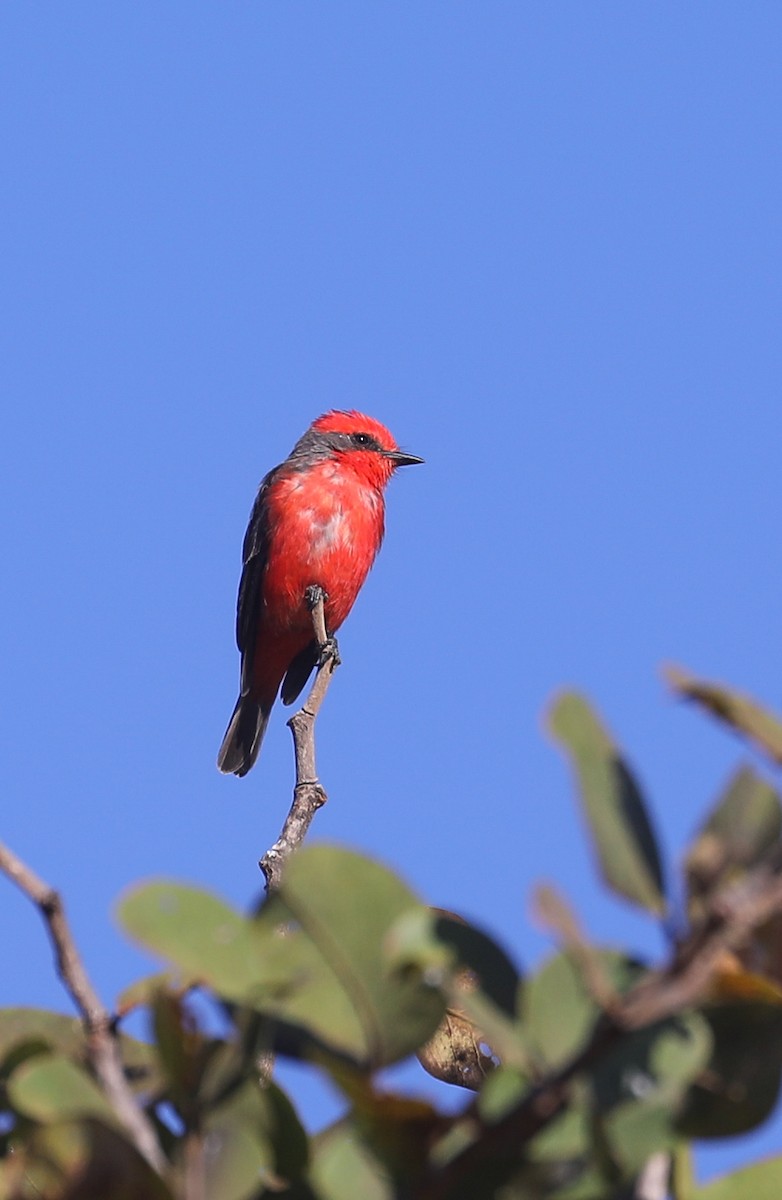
{"points": [[329, 652], [314, 595]]}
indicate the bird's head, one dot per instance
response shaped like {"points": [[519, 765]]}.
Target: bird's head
{"points": [[360, 443]]}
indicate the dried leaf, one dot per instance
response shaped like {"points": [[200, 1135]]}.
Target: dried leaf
{"points": [[741, 712]]}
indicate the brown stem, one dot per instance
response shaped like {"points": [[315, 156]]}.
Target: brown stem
{"points": [[102, 1045], [308, 794]]}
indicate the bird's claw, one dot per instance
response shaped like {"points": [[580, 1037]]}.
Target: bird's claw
{"points": [[329, 652], [314, 595]]}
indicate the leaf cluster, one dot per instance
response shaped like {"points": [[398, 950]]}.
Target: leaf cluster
{"points": [[575, 1076]]}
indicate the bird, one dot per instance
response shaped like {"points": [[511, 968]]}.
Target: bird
{"points": [[317, 523]]}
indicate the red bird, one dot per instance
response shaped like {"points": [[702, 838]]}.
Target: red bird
{"points": [[318, 520]]}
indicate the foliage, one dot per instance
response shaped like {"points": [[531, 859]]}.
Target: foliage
{"points": [[574, 1076]]}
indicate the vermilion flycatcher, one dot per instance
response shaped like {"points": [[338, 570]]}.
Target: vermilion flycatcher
{"points": [[318, 520]]}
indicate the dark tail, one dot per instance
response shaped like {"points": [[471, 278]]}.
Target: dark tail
{"points": [[243, 737]]}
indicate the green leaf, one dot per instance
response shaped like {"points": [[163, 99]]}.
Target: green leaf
{"points": [[328, 924], [748, 818], [502, 1091], [641, 1085], [240, 1155], [745, 824], [286, 1133], [744, 1072], [238, 1164], [183, 1051], [495, 973], [654, 1065], [743, 714], [623, 837], [254, 1136], [305, 959], [561, 1159], [761, 1181], [558, 1014], [38, 1027], [205, 938], [342, 1166], [51, 1088]]}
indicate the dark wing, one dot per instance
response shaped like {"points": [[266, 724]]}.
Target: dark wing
{"points": [[255, 553], [299, 672]]}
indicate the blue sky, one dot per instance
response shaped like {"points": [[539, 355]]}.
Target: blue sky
{"points": [[540, 242]]}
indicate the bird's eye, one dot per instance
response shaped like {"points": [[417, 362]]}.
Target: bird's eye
{"points": [[362, 439]]}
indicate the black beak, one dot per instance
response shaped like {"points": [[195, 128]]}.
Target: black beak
{"points": [[400, 459]]}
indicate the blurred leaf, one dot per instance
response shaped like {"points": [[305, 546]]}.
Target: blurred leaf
{"points": [[239, 1156], [47, 1161], [66, 1034], [254, 1136], [481, 984], [505, 1038], [558, 1014], [347, 996], [182, 1049], [304, 959], [743, 714], [114, 1169], [494, 972], [739, 1087], [554, 911], [502, 1091], [562, 1161], [238, 1164], [205, 938], [286, 1133], [745, 824], [225, 1067], [682, 1184], [51, 1088], [761, 1181], [731, 981], [399, 1130], [20, 1052], [748, 818], [641, 1086], [343, 1166], [57, 1031], [141, 993], [654, 1065], [454, 1055], [623, 837]]}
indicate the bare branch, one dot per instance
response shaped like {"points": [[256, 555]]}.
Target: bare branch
{"points": [[308, 794], [102, 1045], [734, 913]]}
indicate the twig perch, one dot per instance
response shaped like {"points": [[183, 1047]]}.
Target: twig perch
{"points": [[308, 794], [102, 1045]]}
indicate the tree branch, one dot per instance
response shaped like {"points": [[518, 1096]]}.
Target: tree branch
{"points": [[308, 794], [733, 914], [102, 1045]]}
